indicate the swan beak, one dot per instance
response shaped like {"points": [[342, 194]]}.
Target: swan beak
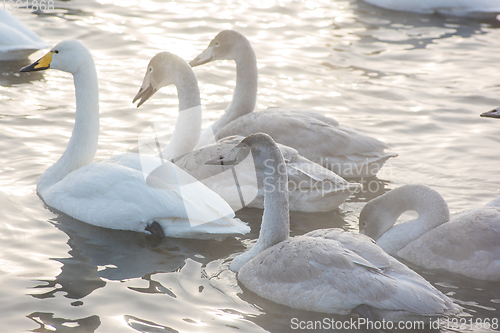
{"points": [[203, 58], [144, 94], [40, 64], [495, 113]]}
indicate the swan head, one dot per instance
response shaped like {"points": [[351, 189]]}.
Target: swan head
{"points": [[381, 213], [223, 47], [162, 71], [495, 113], [68, 56], [374, 220]]}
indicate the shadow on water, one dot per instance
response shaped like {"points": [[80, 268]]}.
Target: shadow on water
{"points": [[119, 255], [462, 26], [98, 255], [142, 325], [49, 323], [372, 188], [10, 75], [412, 29]]}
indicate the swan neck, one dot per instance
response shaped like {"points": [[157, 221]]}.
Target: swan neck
{"points": [[82, 145], [188, 125], [187, 90], [432, 210], [245, 92], [275, 226]]}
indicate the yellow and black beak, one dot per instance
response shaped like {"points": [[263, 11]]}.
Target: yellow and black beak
{"points": [[40, 64]]}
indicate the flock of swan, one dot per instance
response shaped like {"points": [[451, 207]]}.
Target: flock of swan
{"points": [[327, 270]]}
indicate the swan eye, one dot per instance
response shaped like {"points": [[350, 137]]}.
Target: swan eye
{"points": [[56, 51], [150, 70], [217, 44]]}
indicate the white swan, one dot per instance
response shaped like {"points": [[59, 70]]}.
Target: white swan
{"points": [[326, 270], [314, 187], [17, 41], [316, 137], [467, 8], [495, 113], [115, 196], [468, 244]]}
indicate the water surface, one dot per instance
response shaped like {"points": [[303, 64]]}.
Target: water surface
{"points": [[417, 82]]}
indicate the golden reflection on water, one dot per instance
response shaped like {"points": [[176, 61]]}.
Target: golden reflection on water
{"points": [[416, 82]]}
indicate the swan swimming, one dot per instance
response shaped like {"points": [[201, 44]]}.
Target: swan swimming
{"points": [[466, 8], [318, 138], [314, 187], [495, 113], [327, 270], [468, 244], [114, 196], [17, 41]]}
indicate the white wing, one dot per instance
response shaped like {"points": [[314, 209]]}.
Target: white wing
{"points": [[117, 197]]}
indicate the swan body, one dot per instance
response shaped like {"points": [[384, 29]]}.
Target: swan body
{"points": [[115, 196], [320, 139], [467, 244], [326, 270], [314, 187], [495, 113], [466, 8], [17, 41]]}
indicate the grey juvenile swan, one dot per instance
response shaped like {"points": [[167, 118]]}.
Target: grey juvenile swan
{"points": [[326, 270], [468, 244], [321, 139]]}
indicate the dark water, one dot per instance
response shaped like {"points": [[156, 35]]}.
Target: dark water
{"points": [[417, 82]]}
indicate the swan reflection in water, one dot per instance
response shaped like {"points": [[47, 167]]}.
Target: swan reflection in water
{"points": [[98, 256]]}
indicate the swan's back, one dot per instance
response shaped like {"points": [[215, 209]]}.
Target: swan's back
{"points": [[340, 149], [16, 40], [467, 8], [469, 245], [334, 272], [294, 129]]}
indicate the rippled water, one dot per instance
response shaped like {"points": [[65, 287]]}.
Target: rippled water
{"points": [[417, 82]]}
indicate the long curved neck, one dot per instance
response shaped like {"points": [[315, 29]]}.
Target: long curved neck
{"points": [[432, 211], [275, 227], [82, 146], [188, 126], [245, 92]]}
